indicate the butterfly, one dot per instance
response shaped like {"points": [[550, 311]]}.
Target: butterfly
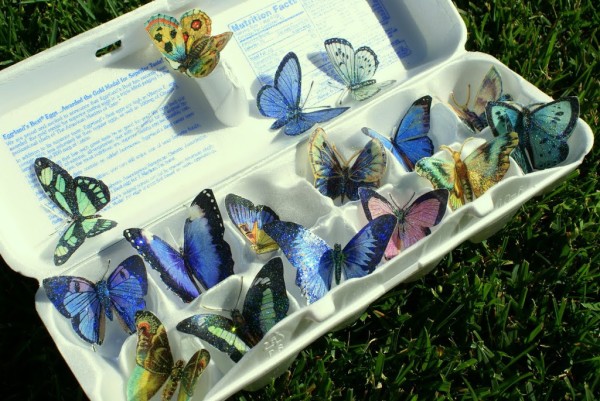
{"points": [[188, 47], [80, 198], [266, 304], [333, 175], [490, 90], [87, 304], [413, 222], [205, 254], [469, 178], [250, 219], [282, 101], [543, 131], [410, 143], [316, 262], [154, 364], [355, 69]]}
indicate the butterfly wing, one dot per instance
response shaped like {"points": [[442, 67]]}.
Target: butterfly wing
{"points": [[218, 331], [190, 374], [153, 358], [375, 205], [76, 233], [442, 175], [206, 252], [266, 302], [168, 38], [487, 164], [365, 250], [490, 90], [549, 127], [304, 251], [341, 56], [127, 286], [250, 220], [303, 121], [367, 170], [77, 299], [330, 178], [368, 89], [166, 260], [425, 212], [58, 184], [504, 118]]}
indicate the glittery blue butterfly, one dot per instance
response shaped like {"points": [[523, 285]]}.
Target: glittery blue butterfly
{"points": [[282, 101], [410, 143], [205, 254], [86, 303], [316, 262], [266, 304], [355, 69], [543, 130]]}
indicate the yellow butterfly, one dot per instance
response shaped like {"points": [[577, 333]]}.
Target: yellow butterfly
{"points": [[188, 46]]}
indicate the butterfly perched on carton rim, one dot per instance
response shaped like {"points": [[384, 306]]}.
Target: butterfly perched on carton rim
{"points": [[413, 222], [316, 262], [81, 198], [250, 219], [265, 305], [543, 130], [410, 143], [205, 254], [334, 177], [469, 178], [86, 304], [490, 90], [355, 69], [282, 100], [155, 366], [188, 46]]}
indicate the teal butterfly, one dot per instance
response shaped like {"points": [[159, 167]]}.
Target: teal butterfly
{"points": [[80, 198], [543, 130]]}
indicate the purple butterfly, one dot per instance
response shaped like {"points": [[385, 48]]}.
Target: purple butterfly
{"points": [[413, 222]]}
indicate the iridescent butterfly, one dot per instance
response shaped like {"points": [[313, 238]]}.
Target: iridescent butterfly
{"points": [[316, 262], [282, 101], [188, 46], [410, 143], [413, 222], [154, 364], [86, 304], [469, 178], [205, 254], [543, 130], [333, 175], [490, 90], [250, 219], [266, 304], [80, 198], [355, 69]]}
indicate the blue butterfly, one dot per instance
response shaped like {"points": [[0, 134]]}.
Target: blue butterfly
{"points": [[410, 143], [316, 262], [543, 130], [83, 301], [355, 69], [205, 254], [266, 305], [282, 101]]}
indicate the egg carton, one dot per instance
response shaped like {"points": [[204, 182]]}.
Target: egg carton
{"points": [[157, 138]]}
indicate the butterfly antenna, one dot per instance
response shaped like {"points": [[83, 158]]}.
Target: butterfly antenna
{"points": [[308, 94], [466, 105], [173, 238]]}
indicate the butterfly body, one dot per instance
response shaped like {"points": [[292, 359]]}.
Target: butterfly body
{"points": [[469, 178], [543, 131], [86, 304], [205, 255], [282, 100], [188, 46], [316, 262], [333, 175], [266, 304], [80, 198], [355, 69]]}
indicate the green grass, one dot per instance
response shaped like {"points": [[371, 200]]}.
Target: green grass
{"points": [[514, 317]]}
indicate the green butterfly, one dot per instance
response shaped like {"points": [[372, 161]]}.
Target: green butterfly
{"points": [[80, 198], [469, 178]]}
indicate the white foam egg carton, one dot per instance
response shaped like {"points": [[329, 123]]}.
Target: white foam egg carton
{"points": [[157, 138]]}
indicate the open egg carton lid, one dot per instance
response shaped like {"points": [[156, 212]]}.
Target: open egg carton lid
{"points": [[157, 138]]}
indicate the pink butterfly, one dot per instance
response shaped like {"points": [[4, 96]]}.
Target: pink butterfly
{"points": [[413, 222]]}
